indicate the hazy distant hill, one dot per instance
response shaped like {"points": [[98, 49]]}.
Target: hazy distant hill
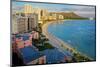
{"points": [[69, 15]]}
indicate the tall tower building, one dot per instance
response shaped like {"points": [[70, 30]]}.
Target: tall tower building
{"points": [[44, 14], [32, 21], [22, 23], [28, 8], [14, 24], [38, 12]]}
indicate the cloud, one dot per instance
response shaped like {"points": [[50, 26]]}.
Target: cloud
{"points": [[16, 7], [78, 8], [86, 14], [85, 11]]}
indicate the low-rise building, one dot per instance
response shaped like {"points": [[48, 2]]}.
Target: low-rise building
{"points": [[61, 17], [27, 52]]}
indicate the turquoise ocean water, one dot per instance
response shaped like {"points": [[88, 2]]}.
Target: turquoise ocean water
{"points": [[80, 34]]}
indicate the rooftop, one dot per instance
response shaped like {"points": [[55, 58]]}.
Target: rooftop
{"points": [[29, 54], [53, 56]]}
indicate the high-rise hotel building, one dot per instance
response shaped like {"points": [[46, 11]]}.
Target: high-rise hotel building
{"points": [[41, 12], [28, 19], [22, 22], [28, 9]]}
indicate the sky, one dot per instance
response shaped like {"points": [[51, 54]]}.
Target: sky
{"points": [[82, 10]]}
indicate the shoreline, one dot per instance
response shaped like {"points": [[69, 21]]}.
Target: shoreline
{"points": [[58, 43]]}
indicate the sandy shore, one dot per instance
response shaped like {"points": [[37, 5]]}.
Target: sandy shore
{"points": [[56, 42]]}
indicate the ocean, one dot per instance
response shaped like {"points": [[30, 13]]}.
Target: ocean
{"points": [[80, 34]]}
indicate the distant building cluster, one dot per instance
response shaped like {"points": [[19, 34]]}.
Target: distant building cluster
{"points": [[43, 14], [30, 17]]}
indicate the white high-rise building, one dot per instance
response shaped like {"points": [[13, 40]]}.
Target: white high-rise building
{"points": [[42, 13], [14, 24], [28, 8], [23, 23]]}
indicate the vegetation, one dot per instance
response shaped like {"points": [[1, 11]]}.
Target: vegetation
{"points": [[80, 58], [77, 56], [76, 19], [45, 46]]}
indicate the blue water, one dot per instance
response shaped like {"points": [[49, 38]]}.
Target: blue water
{"points": [[80, 34]]}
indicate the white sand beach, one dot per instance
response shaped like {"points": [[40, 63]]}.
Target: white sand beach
{"points": [[58, 43]]}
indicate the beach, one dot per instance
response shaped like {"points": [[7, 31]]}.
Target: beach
{"points": [[58, 43]]}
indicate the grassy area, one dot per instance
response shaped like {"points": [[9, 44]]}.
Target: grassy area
{"points": [[48, 45], [45, 46]]}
